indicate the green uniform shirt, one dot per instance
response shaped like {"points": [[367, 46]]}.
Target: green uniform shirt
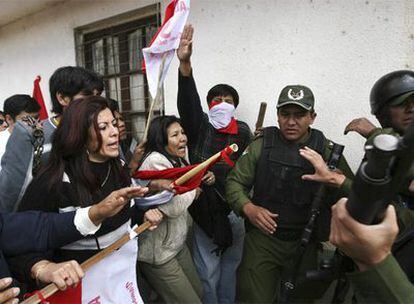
{"points": [[384, 283], [241, 179]]}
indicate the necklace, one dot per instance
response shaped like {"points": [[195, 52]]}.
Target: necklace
{"points": [[107, 176]]}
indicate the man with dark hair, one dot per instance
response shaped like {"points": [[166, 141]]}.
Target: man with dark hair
{"points": [[30, 143], [69, 83], [18, 106], [276, 167], [15, 108], [218, 233]]}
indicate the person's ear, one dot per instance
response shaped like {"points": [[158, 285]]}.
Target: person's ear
{"points": [[9, 119], [313, 116], [63, 100]]}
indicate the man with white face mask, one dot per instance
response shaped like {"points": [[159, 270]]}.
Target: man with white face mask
{"points": [[218, 233]]}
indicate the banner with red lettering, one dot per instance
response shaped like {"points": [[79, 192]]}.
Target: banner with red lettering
{"points": [[112, 280], [164, 43]]}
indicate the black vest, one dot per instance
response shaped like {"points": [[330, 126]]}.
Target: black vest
{"points": [[278, 186]]}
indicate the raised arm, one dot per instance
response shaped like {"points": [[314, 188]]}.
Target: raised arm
{"points": [[188, 100]]}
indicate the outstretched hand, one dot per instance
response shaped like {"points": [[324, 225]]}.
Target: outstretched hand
{"points": [[367, 245], [114, 202], [360, 125], [322, 173]]}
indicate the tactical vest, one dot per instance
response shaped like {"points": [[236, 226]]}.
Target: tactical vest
{"points": [[278, 186]]}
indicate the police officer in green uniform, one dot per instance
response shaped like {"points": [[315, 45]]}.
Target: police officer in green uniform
{"points": [[392, 102], [279, 207]]}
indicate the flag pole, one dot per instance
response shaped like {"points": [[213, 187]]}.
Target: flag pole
{"points": [[52, 288], [190, 174], [158, 96]]}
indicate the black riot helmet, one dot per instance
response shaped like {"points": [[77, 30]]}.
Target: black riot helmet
{"points": [[390, 86]]}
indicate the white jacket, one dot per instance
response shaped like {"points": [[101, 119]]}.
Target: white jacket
{"points": [[162, 244]]}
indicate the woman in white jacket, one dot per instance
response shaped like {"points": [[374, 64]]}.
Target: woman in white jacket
{"points": [[164, 257]]}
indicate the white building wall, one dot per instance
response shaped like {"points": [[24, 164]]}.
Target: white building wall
{"points": [[337, 48]]}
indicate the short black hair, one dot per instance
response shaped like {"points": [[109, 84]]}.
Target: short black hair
{"points": [[223, 90], [113, 105], [18, 103], [72, 80]]}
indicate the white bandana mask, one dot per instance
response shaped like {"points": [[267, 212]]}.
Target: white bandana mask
{"points": [[220, 115]]}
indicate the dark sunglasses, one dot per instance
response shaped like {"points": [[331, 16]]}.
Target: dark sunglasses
{"points": [[2, 121]]}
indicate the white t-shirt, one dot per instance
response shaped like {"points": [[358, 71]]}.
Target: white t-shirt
{"points": [[4, 137]]}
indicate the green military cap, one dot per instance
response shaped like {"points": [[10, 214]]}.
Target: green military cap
{"points": [[296, 95], [399, 100]]}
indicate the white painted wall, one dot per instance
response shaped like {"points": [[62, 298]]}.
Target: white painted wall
{"points": [[337, 48]]}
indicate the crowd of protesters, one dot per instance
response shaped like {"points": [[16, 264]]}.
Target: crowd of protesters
{"points": [[67, 192]]}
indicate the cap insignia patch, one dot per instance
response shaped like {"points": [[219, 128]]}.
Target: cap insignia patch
{"points": [[295, 95]]}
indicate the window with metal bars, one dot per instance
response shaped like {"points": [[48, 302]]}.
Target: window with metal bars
{"points": [[112, 48]]}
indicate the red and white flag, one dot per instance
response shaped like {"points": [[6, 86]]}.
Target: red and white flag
{"points": [[164, 43], [38, 96], [112, 280]]}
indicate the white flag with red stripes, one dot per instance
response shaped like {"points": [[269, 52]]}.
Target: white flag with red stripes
{"points": [[112, 280], [164, 43]]}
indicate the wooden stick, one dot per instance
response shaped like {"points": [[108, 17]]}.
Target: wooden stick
{"points": [[158, 96], [261, 116], [52, 288], [184, 178]]}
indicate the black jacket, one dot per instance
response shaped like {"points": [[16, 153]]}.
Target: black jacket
{"points": [[33, 231]]}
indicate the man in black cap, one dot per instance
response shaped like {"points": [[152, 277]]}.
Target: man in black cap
{"points": [[279, 208]]}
